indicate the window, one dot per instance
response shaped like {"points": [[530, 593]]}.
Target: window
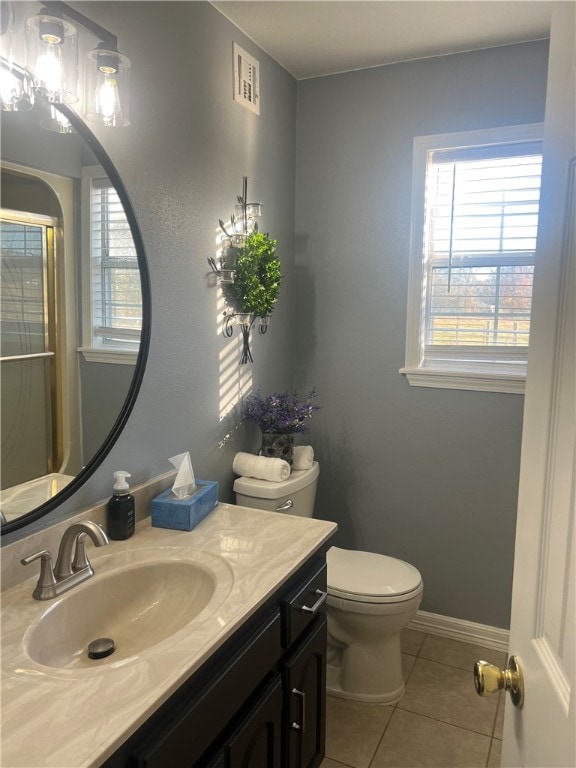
{"points": [[474, 225], [112, 311]]}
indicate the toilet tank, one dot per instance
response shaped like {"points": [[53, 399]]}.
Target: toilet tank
{"points": [[294, 496]]}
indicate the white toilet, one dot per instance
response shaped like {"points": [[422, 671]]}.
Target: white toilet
{"points": [[371, 598]]}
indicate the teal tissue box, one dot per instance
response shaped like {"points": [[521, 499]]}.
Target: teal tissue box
{"points": [[185, 514]]}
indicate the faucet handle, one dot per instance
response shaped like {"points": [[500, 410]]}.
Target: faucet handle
{"points": [[45, 555], [80, 557], [47, 580]]}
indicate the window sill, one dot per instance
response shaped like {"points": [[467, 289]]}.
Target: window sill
{"points": [[477, 381], [116, 356]]}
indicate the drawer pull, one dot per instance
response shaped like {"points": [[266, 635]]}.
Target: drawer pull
{"points": [[287, 505], [321, 600], [297, 726]]}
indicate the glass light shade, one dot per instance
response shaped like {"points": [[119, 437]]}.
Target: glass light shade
{"points": [[244, 219], [227, 275], [254, 210], [13, 79], [57, 122], [52, 57], [108, 76], [13, 94]]}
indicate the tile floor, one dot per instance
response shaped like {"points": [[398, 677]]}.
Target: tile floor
{"points": [[439, 723]]}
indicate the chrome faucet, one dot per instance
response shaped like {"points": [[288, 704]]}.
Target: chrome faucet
{"points": [[72, 564]]}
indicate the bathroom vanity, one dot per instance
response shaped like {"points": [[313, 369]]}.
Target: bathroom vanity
{"points": [[260, 701], [241, 683]]}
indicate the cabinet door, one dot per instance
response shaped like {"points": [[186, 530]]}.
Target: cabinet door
{"points": [[257, 742], [305, 700], [189, 728]]}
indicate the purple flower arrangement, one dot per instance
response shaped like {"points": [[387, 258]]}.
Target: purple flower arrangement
{"points": [[280, 413]]}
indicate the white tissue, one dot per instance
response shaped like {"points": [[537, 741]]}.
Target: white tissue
{"points": [[184, 484]]}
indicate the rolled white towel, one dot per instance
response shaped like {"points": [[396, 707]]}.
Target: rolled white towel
{"points": [[261, 467], [303, 457]]}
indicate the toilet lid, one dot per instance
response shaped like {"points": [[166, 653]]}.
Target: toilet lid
{"points": [[367, 575]]}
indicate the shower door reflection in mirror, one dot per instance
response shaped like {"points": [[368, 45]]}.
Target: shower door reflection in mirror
{"points": [[31, 410], [62, 389]]}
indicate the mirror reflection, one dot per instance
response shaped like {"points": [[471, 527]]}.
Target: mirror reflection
{"points": [[71, 310]]}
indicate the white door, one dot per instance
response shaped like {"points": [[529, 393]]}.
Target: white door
{"points": [[541, 733]]}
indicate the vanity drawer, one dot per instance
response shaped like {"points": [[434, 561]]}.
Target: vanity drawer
{"points": [[300, 608]]}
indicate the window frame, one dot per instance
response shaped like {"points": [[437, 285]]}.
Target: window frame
{"points": [[508, 375], [92, 349]]}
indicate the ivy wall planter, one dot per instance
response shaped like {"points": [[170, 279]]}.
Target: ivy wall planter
{"points": [[248, 272]]}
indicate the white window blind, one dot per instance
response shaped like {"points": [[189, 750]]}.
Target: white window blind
{"points": [[475, 205], [481, 226], [115, 293], [23, 287]]}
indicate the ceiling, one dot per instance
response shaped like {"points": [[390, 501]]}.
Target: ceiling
{"points": [[310, 38]]}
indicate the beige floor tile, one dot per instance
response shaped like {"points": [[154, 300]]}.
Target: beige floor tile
{"points": [[407, 664], [411, 641], [329, 763], [353, 730], [495, 754], [499, 726], [447, 694], [413, 741], [458, 654]]}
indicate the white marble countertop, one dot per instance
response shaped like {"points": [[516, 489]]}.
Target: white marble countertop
{"points": [[68, 718]]}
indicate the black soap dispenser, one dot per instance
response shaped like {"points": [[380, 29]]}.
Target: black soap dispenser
{"points": [[121, 516]]}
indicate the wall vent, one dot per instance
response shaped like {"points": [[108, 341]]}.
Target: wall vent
{"points": [[246, 80]]}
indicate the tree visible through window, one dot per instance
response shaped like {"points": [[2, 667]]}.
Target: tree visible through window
{"points": [[482, 220]]}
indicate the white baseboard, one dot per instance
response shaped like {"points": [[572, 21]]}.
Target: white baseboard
{"points": [[459, 629]]}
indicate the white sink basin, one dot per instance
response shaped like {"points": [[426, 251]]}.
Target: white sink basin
{"points": [[137, 599]]}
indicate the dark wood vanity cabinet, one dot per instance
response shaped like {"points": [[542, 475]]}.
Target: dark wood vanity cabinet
{"points": [[305, 688], [257, 741], [258, 702]]}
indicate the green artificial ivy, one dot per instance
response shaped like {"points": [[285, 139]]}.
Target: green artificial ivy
{"points": [[257, 281]]}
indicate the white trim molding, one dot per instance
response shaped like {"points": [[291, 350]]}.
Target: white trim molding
{"points": [[460, 629], [477, 382], [116, 356]]}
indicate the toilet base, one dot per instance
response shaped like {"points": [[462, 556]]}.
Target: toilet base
{"points": [[333, 688]]}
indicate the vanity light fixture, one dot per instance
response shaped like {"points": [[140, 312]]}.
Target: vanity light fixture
{"points": [[14, 80], [108, 86], [52, 57], [51, 72]]}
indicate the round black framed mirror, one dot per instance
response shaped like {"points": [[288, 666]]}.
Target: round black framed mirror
{"points": [[90, 455]]}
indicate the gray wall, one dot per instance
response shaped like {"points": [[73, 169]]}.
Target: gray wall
{"points": [[427, 475], [182, 162], [104, 389]]}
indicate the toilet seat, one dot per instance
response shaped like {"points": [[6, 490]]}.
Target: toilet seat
{"points": [[367, 577]]}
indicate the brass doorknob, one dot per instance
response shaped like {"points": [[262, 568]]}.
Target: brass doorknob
{"points": [[490, 679]]}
